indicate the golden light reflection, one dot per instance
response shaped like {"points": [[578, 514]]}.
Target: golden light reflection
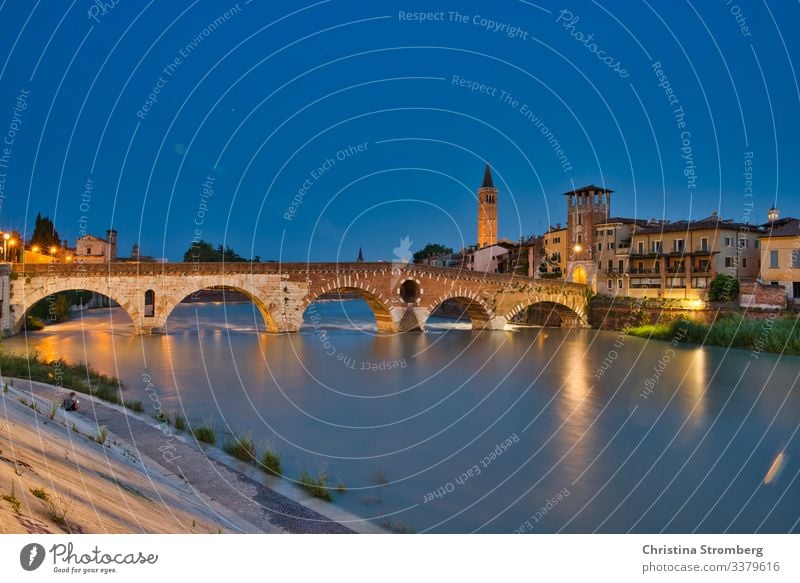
{"points": [[775, 469]]}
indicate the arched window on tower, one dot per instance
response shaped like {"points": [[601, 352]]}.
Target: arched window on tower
{"points": [[149, 303]]}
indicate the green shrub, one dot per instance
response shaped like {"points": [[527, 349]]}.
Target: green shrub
{"points": [[205, 433], [242, 448], [32, 323], [271, 462], [135, 406], [180, 422], [723, 288], [317, 487], [102, 434]]}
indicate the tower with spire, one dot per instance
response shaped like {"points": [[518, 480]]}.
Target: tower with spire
{"points": [[360, 258], [487, 210]]}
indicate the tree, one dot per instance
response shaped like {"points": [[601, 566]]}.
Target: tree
{"points": [[204, 252], [724, 288], [44, 233], [431, 250]]}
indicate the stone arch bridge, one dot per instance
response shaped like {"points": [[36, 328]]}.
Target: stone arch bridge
{"points": [[401, 296]]}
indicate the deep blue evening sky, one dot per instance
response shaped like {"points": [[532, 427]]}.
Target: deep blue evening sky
{"points": [[278, 88]]}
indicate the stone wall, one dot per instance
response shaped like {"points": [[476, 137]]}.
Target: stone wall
{"points": [[753, 294]]}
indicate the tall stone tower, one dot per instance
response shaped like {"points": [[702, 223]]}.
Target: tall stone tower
{"points": [[487, 210], [586, 207]]}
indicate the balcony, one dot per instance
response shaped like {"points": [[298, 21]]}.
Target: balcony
{"points": [[701, 269], [643, 271]]}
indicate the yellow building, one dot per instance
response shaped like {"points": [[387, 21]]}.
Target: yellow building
{"points": [[678, 260], [555, 251], [780, 256]]}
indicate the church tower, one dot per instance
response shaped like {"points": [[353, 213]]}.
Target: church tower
{"points": [[487, 210]]}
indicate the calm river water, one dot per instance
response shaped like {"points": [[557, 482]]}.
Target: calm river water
{"points": [[455, 431]]}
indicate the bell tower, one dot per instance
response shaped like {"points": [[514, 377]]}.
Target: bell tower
{"points": [[487, 210]]}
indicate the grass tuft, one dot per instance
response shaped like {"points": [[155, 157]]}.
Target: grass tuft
{"points": [[242, 448], [134, 406], [180, 422], [271, 462], [205, 433], [317, 487], [40, 493]]}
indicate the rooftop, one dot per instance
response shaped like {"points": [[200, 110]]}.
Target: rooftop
{"points": [[589, 187]]}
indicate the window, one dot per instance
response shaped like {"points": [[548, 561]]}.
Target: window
{"points": [[580, 219], [744, 262], [795, 258], [729, 262], [599, 246], [621, 265], [579, 238], [656, 247], [640, 248], [757, 244], [743, 243], [149, 303], [610, 232], [619, 283], [677, 245], [88, 250], [704, 244], [610, 265], [610, 284], [610, 246], [728, 242], [773, 259]]}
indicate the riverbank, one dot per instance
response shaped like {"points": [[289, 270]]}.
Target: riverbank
{"points": [[780, 336], [218, 493], [62, 473]]}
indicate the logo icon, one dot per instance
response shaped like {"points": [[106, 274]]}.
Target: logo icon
{"points": [[31, 556]]}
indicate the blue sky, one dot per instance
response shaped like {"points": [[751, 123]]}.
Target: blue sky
{"points": [[301, 130]]}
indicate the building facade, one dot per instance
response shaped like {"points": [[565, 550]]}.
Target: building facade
{"points": [[554, 253], [586, 208], [780, 255], [674, 260], [91, 249]]}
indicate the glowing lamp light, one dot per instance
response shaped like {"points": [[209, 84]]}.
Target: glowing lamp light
{"points": [[12, 242], [35, 248], [578, 248], [6, 236], [69, 258], [53, 250]]}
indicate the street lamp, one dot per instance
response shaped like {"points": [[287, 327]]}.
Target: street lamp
{"points": [[35, 248], [6, 238]]}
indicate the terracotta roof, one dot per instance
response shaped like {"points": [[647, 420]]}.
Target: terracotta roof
{"points": [[787, 228], [624, 221], [712, 222]]}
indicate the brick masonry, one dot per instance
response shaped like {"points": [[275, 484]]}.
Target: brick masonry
{"points": [[401, 295]]}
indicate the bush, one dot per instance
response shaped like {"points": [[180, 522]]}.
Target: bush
{"points": [[180, 421], [317, 487], [723, 288], [135, 406], [32, 323], [205, 433], [242, 448], [271, 462]]}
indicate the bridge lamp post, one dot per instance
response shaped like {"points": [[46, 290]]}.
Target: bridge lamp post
{"points": [[12, 243], [6, 237]]}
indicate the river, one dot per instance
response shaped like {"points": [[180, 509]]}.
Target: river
{"points": [[458, 431]]}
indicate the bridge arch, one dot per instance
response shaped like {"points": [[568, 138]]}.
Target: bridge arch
{"points": [[172, 300], [479, 313], [376, 301], [30, 296], [548, 312]]}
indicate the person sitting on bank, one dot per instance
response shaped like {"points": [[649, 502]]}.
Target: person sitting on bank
{"points": [[71, 403]]}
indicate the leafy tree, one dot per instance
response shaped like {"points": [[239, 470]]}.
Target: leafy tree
{"points": [[724, 288], [44, 233], [204, 252], [431, 250]]}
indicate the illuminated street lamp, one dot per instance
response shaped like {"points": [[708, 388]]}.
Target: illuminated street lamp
{"points": [[53, 250], [35, 248], [578, 248], [6, 245]]}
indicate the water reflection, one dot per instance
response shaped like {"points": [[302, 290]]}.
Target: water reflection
{"points": [[398, 416]]}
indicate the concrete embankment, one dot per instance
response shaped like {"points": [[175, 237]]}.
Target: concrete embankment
{"points": [[143, 478]]}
